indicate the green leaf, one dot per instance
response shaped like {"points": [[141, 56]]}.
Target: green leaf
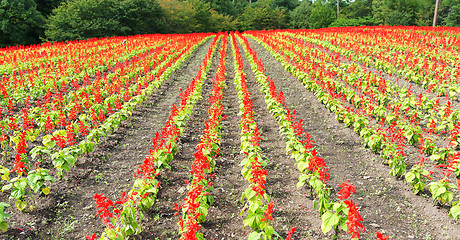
{"points": [[21, 205], [330, 220], [46, 191], [7, 187], [269, 230], [254, 236], [302, 180], [439, 190], [410, 176], [455, 211], [17, 193], [70, 159], [252, 220], [3, 226]]}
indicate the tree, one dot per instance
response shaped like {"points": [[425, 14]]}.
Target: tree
{"points": [[358, 9], [286, 5], [435, 13], [300, 16], [180, 15], [453, 19], [221, 23], [321, 15], [261, 16], [140, 17], [81, 19], [195, 16], [240, 6], [403, 12], [20, 22], [47, 6], [224, 7]]}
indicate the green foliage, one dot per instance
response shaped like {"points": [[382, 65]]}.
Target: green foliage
{"points": [[357, 9], [300, 16], [224, 7], [321, 15], [403, 12], [140, 17], [287, 5], [453, 19], [261, 16], [195, 16], [180, 15], [20, 22], [344, 22], [81, 19], [46, 6]]}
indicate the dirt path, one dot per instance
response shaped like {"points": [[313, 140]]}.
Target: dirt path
{"points": [[68, 212], [387, 205]]}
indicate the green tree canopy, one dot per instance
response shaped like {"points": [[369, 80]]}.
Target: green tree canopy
{"points": [[358, 9], [453, 17], [402, 12], [261, 16], [322, 15], [20, 22], [81, 19], [46, 6], [286, 5], [300, 16], [224, 7]]}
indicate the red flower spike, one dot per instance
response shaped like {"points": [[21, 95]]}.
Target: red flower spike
{"points": [[346, 190], [268, 212], [380, 237], [290, 233], [354, 220], [92, 237]]}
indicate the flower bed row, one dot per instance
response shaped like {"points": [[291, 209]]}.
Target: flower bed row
{"points": [[257, 204], [56, 68], [312, 167], [199, 198]]}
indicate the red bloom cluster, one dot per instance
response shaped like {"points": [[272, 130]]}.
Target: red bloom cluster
{"points": [[259, 176], [346, 190], [268, 212], [355, 227]]}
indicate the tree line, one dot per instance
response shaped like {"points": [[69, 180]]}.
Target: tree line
{"points": [[34, 21]]}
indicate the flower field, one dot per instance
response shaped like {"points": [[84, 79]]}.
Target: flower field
{"points": [[337, 133]]}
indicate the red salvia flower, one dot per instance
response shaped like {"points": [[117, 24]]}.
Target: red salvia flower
{"points": [[354, 220], [346, 190], [290, 233], [380, 236], [268, 212]]}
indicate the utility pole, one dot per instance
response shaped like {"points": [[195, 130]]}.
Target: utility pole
{"points": [[435, 13], [338, 8]]}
